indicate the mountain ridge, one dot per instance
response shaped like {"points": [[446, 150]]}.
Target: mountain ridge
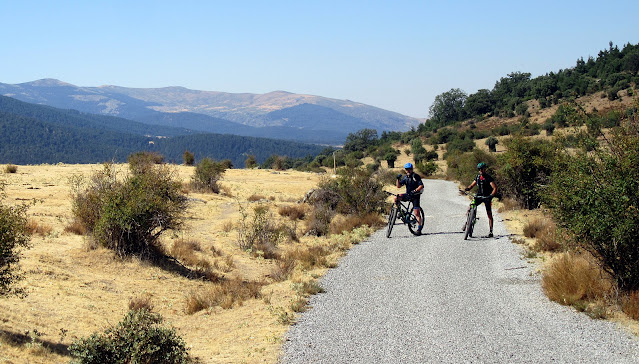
{"points": [[150, 105]]}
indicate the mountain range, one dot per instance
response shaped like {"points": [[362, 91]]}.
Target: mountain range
{"points": [[34, 134], [278, 115]]}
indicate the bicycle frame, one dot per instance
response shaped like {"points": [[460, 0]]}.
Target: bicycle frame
{"points": [[471, 216], [405, 213]]}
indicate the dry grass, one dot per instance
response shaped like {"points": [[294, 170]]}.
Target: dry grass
{"points": [[341, 224], [293, 212], [42, 229], [310, 257], [508, 204], [544, 231], [630, 305], [141, 302], [185, 251], [227, 226], [75, 227], [255, 198], [283, 269], [225, 294], [571, 278], [77, 291]]}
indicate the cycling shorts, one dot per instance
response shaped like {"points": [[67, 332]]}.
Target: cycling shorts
{"points": [[410, 197]]}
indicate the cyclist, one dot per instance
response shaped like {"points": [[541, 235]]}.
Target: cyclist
{"points": [[414, 188], [486, 190]]}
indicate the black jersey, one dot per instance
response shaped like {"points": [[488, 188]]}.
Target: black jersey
{"points": [[483, 184], [411, 182]]}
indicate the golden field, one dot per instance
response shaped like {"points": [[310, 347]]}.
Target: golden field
{"points": [[74, 291]]}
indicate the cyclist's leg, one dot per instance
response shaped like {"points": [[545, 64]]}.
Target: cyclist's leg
{"points": [[416, 209], [489, 212]]}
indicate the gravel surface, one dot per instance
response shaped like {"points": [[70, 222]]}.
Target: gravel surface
{"points": [[440, 299]]}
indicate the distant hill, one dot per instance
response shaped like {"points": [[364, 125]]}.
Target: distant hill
{"points": [[276, 114], [34, 134]]}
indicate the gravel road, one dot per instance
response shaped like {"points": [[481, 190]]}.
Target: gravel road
{"points": [[439, 299]]}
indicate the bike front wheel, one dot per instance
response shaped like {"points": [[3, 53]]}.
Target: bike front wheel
{"points": [[392, 215], [470, 223], [413, 224]]}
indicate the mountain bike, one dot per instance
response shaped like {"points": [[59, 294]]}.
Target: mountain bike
{"points": [[404, 212], [471, 215]]}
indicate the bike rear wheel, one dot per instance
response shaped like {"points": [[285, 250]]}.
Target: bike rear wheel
{"points": [[413, 224], [470, 223], [392, 215]]}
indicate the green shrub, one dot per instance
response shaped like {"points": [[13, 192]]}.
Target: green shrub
{"points": [[259, 235], [492, 142], [594, 195], [207, 173], [524, 168], [459, 145], [13, 237], [138, 338], [189, 158], [463, 166], [128, 216], [427, 168], [250, 162], [358, 191]]}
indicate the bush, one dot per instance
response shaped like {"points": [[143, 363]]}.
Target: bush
{"points": [[319, 221], [459, 145], [358, 191], [524, 168], [138, 338], [129, 216], [141, 161], [189, 158], [492, 142], [250, 162], [463, 166], [258, 234], [427, 168], [11, 168], [13, 237], [594, 195], [207, 173]]}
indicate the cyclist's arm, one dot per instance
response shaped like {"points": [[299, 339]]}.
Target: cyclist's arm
{"points": [[494, 186], [470, 187]]}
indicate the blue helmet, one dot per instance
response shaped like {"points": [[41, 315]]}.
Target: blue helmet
{"points": [[481, 165], [408, 165]]}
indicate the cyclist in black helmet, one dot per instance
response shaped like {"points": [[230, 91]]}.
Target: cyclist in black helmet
{"points": [[486, 190], [414, 188]]}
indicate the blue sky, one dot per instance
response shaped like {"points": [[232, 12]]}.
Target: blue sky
{"points": [[397, 55]]}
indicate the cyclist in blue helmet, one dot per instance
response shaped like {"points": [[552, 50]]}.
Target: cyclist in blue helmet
{"points": [[414, 189], [486, 190]]}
